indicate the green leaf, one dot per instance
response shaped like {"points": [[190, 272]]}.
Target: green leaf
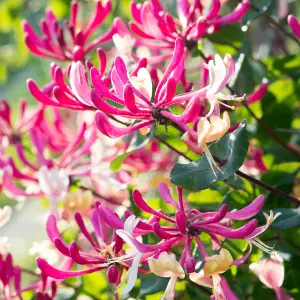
{"points": [[138, 141], [289, 218], [260, 7], [231, 150], [153, 284], [282, 174]]}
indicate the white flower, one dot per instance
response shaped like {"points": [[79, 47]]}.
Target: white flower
{"points": [[5, 215], [124, 45], [53, 183], [126, 235], [47, 251], [166, 265], [5, 246]]}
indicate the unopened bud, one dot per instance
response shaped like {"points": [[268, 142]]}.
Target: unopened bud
{"points": [[112, 274], [181, 222], [190, 265]]}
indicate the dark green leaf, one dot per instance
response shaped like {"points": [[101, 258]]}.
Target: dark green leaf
{"points": [[289, 218], [231, 150], [153, 284], [258, 8]]}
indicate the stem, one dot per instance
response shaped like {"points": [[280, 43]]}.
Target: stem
{"points": [[110, 200], [277, 25], [267, 187]]}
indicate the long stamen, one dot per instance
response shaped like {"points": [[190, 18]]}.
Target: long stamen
{"points": [[212, 163], [226, 105], [259, 244]]}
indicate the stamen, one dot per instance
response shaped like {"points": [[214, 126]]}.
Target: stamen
{"points": [[226, 105], [212, 163], [259, 244]]}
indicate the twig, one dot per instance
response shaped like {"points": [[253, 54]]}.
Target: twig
{"points": [[276, 24]]}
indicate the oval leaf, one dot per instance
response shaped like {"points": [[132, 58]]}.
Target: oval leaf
{"points": [[231, 150]]}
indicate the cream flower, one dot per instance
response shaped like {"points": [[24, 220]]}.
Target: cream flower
{"points": [[212, 130], [166, 265], [143, 83], [218, 264], [215, 265]]}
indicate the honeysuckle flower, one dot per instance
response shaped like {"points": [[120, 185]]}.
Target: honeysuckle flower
{"points": [[214, 266], [73, 162], [166, 265], [134, 93], [223, 290], [271, 273], [295, 25], [10, 277], [79, 200], [12, 131], [207, 131], [102, 252], [70, 41], [5, 215], [124, 47], [252, 238], [54, 184], [188, 225], [258, 94], [254, 164], [47, 251], [156, 29]]}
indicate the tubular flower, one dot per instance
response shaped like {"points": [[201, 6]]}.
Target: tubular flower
{"points": [[74, 95], [188, 225], [207, 131], [134, 93], [214, 266], [10, 276], [271, 273], [156, 29], [100, 253], [11, 132], [71, 41]]}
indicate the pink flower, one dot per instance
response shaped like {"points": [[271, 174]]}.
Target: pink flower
{"points": [[271, 273], [11, 131], [54, 42], [156, 29], [294, 24]]}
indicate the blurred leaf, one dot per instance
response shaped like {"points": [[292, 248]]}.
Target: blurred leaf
{"points": [[205, 197], [138, 141], [288, 65], [282, 174], [289, 218], [152, 284], [252, 14], [231, 150]]}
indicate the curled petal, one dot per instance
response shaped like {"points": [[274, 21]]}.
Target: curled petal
{"points": [[141, 203], [50, 271], [249, 211], [105, 127]]}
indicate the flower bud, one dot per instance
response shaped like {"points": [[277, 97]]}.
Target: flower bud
{"points": [[112, 274], [190, 265], [181, 222]]}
